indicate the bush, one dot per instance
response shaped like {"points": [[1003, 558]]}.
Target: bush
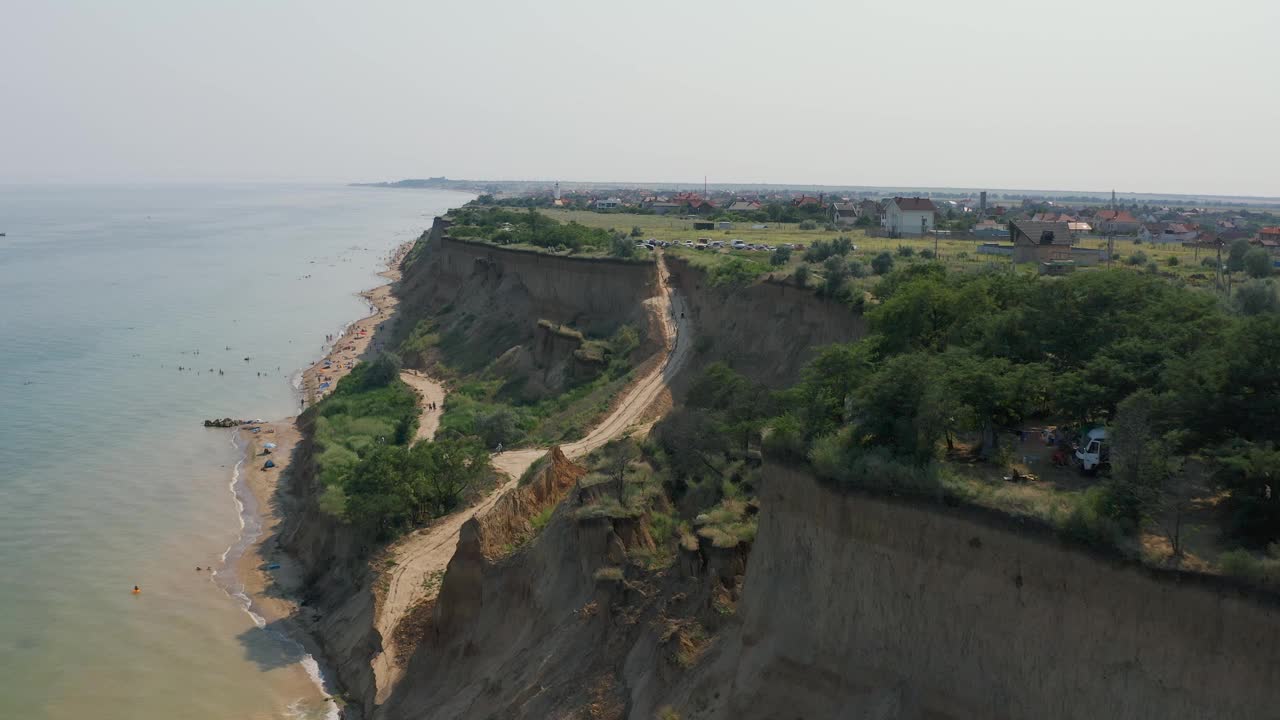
{"points": [[801, 276], [781, 256], [1257, 297], [1138, 258], [905, 251], [498, 427], [785, 437], [1152, 267], [636, 231], [380, 373], [1089, 523], [882, 263], [1209, 262], [808, 225], [842, 245], [621, 246], [857, 269], [1172, 261], [1240, 563], [927, 254]]}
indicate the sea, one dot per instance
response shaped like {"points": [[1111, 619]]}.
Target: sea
{"points": [[107, 477]]}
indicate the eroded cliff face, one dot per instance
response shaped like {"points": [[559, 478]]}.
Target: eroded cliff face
{"points": [[853, 607], [766, 331], [496, 295], [561, 625], [857, 606], [337, 604]]}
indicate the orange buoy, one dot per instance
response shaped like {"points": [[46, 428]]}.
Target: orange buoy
{"points": [[136, 590]]}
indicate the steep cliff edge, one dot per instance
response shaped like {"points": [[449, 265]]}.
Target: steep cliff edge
{"points": [[496, 295], [767, 330], [883, 609]]}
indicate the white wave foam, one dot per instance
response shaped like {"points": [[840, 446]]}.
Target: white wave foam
{"points": [[236, 591]]}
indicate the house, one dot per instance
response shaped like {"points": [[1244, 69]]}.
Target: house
{"points": [[807, 201], [909, 216], [724, 225], [1268, 238], [1049, 243], [1167, 233], [608, 204], [1115, 222], [665, 208], [845, 213], [871, 209], [1080, 227], [744, 206]]}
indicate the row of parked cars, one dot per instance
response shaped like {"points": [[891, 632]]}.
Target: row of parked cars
{"points": [[709, 244]]}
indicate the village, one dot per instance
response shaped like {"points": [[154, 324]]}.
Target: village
{"points": [[1057, 235]]}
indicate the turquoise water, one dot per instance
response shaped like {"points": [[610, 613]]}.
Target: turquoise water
{"points": [[107, 478]]}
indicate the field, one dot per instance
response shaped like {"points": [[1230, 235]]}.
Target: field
{"points": [[1172, 260]]}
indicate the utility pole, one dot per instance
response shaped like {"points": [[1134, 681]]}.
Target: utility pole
{"points": [[1218, 274]]}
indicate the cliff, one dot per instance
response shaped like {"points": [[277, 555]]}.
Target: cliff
{"points": [[767, 330], [852, 606], [517, 287], [337, 606]]}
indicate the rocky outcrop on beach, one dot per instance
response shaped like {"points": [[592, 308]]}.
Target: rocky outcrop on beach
{"points": [[228, 423]]}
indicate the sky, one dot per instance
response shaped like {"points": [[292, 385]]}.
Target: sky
{"points": [[1141, 96]]}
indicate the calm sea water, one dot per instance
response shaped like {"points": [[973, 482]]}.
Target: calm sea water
{"points": [[107, 478]]}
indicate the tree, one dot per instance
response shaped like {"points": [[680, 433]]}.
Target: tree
{"points": [[882, 263], [842, 245], [991, 393], [1251, 474], [1235, 256], [1257, 262], [636, 231], [834, 271], [801, 276], [1139, 460], [440, 472]]}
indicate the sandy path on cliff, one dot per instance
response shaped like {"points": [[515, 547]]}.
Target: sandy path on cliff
{"points": [[430, 393], [420, 555]]}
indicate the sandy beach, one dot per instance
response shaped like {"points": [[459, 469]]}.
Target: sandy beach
{"points": [[350, 347], [269, 576]]}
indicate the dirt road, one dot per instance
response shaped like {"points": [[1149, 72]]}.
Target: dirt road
{"points": [[428, 551]]}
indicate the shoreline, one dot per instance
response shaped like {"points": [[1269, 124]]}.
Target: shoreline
{"points": [[265, 580]]}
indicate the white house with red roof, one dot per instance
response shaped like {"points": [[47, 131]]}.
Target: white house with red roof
{"points": [[909, 216]]}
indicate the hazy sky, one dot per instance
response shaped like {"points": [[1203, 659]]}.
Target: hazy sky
{"points": [[1161, 95]]}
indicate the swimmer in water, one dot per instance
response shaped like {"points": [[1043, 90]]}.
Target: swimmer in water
{"points": [[136, 590]]}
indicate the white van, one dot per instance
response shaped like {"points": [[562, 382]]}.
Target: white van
{"points": [[1094, 453]]}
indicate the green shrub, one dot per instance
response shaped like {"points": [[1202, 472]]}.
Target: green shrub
{"points": [[882, 263], [1138, 258], [906, 251], [808, 225], [1172, 261], [1241, 563]]}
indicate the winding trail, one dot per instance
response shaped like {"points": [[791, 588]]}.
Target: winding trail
{"points": [[426, 552]]}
